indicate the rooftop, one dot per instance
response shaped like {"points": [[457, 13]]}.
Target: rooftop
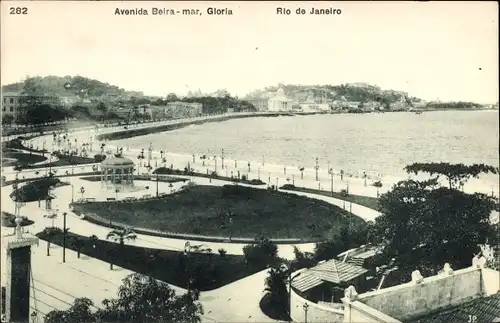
{"points": [[118, 160], [485, 309], [332, 271]]}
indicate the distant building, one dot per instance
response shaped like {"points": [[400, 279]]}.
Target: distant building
{"points": [[260, 104], [176, 110], [279, 101], [15, 104]]}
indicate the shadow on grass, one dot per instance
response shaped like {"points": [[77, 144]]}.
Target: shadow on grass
{"points": [[204, 271], [272, 311]]}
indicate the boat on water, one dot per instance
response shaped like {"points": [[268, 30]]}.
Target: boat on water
{"points": [[418, 112]]}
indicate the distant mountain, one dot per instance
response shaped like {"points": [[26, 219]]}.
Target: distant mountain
{"points": [[64, 86], [357, 92]]}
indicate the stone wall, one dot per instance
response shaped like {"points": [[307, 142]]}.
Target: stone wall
{"points": [[412, 299]]}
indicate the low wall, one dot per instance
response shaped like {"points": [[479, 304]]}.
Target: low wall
{"points": [[315, 313], [433, 293]]}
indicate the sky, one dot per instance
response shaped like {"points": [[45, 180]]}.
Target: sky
{"points": [[434, 50]]}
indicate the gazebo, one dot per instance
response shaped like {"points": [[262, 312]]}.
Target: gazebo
{"points": [[117, 172]]}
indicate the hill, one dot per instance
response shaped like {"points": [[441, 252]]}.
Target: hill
{"points": [[357, 92], [64, 86]]}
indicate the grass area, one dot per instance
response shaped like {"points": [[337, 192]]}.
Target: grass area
{"points": [[21, 158], [272, 311], [8, 220], [65, 160], [229, 210], [36, 190], [243, 180], [368, 201], [206, 271]]}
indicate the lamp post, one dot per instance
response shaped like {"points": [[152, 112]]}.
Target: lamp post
{"points": [[150, 151], [306, 307], [222, 157], [82, 191], [72, 193], [317, 168], [215, 163], [330, 171], [64, 237]]}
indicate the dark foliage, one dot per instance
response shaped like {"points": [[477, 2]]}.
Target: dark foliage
{"points": [[36, 190], [201, 270]]}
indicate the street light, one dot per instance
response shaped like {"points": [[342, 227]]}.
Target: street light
{"points": [[222, 157], [330, 171], [306, 307], [64, 237], [317, 168]]}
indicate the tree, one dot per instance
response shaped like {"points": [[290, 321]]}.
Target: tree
{"points": [[456, 174], [425, 223], [276, 286], [51, 216], [303, 259], [262, 252], [7, 119], [140, 299], [121, 235], [78, 243], [172, 97]]}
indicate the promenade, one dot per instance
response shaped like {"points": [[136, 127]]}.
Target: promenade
{"points": [[88, 277]]}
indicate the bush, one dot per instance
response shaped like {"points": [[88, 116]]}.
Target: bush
{"points": [[262, 252], [288, 187], [36, 190], [222, 252], [99, 158]]}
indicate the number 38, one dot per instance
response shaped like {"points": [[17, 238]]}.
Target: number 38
{"points": [[18, 11]]}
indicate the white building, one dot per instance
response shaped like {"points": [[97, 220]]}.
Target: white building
{"points": [[279, 102]]}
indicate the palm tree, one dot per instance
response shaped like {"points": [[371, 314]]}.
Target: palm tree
{"points": [[51, 216], [82, 191], [121, 235], [276, 285], [78, 243], [301, 169]]}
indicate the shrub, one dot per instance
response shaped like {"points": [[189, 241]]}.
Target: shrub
{"points": [[99, 158], [288, 187], [222, 252], [262, 252]]}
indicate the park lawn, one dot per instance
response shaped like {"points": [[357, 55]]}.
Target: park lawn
{"points": [[65, 160], [368, 201], [21, 158], [208, 271], [36, 190], [207, 210]]}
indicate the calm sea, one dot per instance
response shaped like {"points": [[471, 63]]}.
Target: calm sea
{"points": [[380, 143]]}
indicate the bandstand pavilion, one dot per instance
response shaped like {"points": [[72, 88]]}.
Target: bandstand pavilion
{"points": [[117, 172]]}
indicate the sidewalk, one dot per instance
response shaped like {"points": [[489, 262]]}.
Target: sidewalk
{"points": [[55, 285]]}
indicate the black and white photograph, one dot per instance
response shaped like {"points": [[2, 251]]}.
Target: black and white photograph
{"points": [[250, 162]]}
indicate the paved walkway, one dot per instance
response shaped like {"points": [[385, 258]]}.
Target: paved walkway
{"points": [[64, 195]]}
